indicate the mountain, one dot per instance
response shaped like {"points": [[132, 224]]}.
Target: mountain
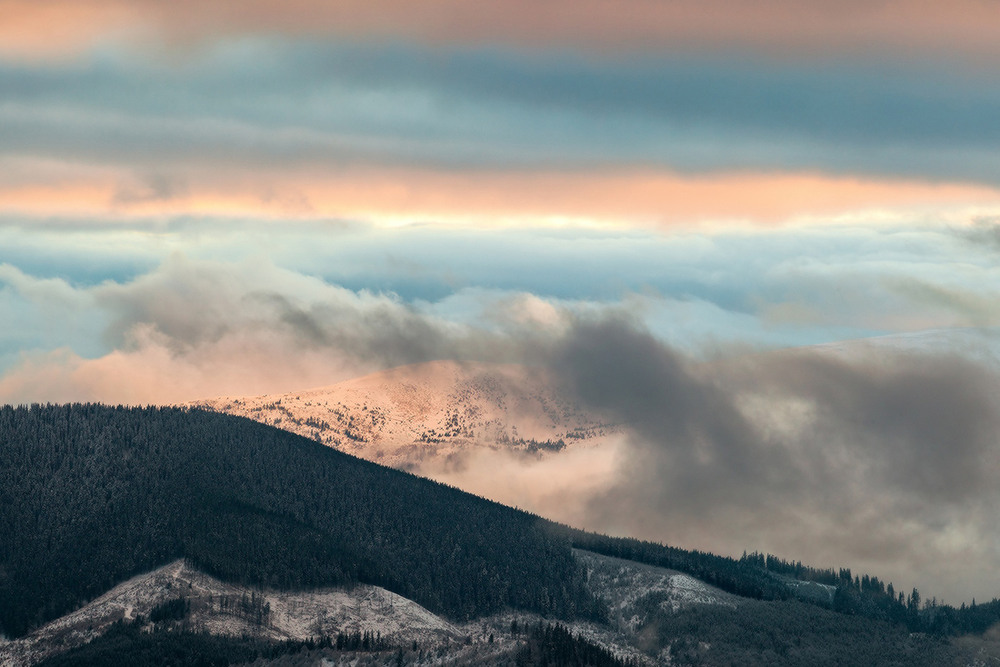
{"points": [[91, 495], [165, 534], [177, 614], [432, 417], [413, 416]]}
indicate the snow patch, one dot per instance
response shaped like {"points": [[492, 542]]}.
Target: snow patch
{"points": [[216, 608], [630, 588]]}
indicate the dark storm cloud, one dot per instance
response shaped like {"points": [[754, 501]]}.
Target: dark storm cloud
{"points": [[919, 424], [684, 422], [869, 456]]}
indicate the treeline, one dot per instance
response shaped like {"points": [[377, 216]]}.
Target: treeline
{"points": [[252, 608], [797, 570], [356, 641], [744, 578], [790, 633], [765, 577], [131, 644], [171, 610], [91, 495], [868, 596], [553, 645]]}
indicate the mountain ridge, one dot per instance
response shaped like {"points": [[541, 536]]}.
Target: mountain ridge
{"points": [[410, 415]]}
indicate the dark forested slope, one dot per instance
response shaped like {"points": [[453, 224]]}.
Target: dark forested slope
{"points": [[91, 495]]}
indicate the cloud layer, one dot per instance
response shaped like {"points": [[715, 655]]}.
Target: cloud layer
{"points": [[320, 107], [902, 27]]}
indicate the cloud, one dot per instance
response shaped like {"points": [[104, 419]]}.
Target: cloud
{"points": [[790, 286], [316, 108], [901, 27], [974, 307], [983, 232], [878, 459], [196, 328], [52, 291], [557, 487]]}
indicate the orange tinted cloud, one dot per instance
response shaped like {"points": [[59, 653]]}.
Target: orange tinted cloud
{"points": [[915, 27], [392, 197], [60, 28]]}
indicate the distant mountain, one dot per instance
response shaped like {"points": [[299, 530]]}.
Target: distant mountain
{"points": [[440, 410], [429, 416]]}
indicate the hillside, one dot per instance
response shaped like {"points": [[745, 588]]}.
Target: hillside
{"points": [[91, 495], [235, 610], [177, 614]]}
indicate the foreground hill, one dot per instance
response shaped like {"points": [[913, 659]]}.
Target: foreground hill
{"points": [[179, 615], [152, 602], [235, 610], [91, 495]]}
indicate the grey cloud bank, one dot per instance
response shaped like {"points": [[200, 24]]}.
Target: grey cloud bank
{"points": [[250, 104], [776, 288], [884, 459]]}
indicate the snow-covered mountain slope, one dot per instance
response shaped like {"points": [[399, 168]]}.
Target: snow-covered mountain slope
{"points": [[512, 434], [424, 416], [438, 410], [626, 585], [229, 609]]}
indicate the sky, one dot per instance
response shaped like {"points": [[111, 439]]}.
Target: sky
{"points": [[686, 210]]}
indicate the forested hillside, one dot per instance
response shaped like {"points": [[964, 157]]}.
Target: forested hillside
{"points": [[768, 578], [91, 495]]}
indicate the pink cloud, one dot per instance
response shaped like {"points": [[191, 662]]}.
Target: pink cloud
{"points": [[393, 196], [963, 27]]}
